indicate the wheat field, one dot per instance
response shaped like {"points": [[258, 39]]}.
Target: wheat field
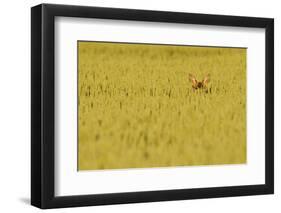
{"points": [[137, 107]]}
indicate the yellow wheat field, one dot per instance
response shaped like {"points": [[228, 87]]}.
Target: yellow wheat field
{"points": [[137, 108]]}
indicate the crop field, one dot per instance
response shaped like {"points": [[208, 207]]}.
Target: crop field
{"points": [[137, 107]]}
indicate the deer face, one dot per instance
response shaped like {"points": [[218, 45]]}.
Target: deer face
{"points": [[199, 84]]}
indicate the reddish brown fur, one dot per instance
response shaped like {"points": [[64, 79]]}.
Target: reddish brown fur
{"points": [[199, 84]]}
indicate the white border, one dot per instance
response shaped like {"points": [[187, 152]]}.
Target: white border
{"points": [[70, 182]]}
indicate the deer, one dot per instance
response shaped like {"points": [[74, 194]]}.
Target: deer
{"points": [[199, 84]]}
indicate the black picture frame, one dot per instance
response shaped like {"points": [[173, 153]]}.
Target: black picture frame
{"points": [[43, 110]]}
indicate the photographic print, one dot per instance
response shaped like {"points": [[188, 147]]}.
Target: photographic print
{"points": [[132, 106], [160, 105]]}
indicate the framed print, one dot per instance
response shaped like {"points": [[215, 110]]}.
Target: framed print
{"points": [[139, 106]]}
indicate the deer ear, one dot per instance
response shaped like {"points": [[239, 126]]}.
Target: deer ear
{"points": [[192, 79], [206, 79]]}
